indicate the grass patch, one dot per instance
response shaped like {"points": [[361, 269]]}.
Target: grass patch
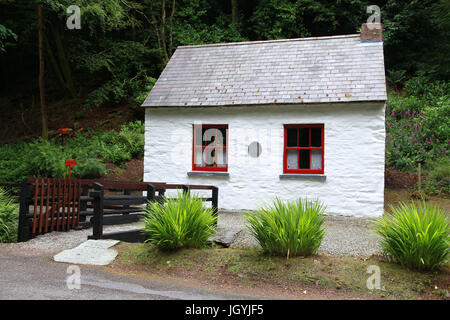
{"points": [[249, 270]]}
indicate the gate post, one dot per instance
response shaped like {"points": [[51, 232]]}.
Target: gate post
{"points": [[150, 193], [215, 201], [97, 225], [24, 228]]}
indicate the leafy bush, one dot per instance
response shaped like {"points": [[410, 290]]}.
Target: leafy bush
{"points": [[125, 145], [438, 177], [9, 216], [417, 131], [91, 149], [290, 229], [89, 168], [416, 236], [115, 153], [183, 222], [132, 137]]}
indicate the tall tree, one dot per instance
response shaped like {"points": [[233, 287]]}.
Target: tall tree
{"points": [[234, 11], [159, 25], [44, 113]]}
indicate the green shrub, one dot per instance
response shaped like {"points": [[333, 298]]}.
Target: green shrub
{"points": [[91, 149], [9, 217], [132, 137], [438, 177], [289, 229], [89, 169], [121, 147], [416, 130], [183, 222], [115, 153], [416, 236]]}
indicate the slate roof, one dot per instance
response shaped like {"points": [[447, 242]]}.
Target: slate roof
{"points": [[306, 70]]}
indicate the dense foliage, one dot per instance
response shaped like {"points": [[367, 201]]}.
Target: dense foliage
{"points": [[417, 131], [289, 229], [123, 45], [9, 214], [183, 222], [44, 158], [418, 124], [416, 236]]}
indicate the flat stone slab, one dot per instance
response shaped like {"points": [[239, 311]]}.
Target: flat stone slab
{"points": [[99, 244], [225, 237], [92, 252]]}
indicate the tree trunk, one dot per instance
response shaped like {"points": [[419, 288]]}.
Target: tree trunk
{"points": [[234, 11], [63, 62], [171, 29], [163, 32], [41, 73], [56, 70]]}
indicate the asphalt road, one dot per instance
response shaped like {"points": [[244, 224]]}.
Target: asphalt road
{"points": [[39, 278]]}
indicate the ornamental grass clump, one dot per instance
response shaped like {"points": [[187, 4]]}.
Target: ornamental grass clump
{"points": [[415, 236], [293, 228], [183, 222], [9, 216]]}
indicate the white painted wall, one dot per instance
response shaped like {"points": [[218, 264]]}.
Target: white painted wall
{"points": [[354, 154]]}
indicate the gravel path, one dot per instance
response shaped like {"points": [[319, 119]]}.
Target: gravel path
{"points": [[344, 236], [55, 242]]}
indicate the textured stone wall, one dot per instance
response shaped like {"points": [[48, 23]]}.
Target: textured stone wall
{"points": [[354, 154]]}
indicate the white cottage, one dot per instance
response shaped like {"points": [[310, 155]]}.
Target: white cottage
{"points": [[288, 118]]}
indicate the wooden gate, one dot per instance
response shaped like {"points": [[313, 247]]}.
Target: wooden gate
{"points": [[54, 203]]}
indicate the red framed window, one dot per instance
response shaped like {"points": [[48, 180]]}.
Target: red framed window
{"points": [[210, 152], [303, 148]]}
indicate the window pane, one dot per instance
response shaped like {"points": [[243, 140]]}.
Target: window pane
{"points": [[304, 137], [316, 137], [292, 137], [198, 135], [198, 157], [316, 159], [222, 132], [304, 159], [209, 158], [209, 136], [292, 159], [221, 157]]}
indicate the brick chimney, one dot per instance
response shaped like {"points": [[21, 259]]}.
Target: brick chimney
{"points": [[372, 32]]}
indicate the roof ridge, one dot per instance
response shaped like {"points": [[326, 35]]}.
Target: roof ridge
{"points": [[267, 41]]}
